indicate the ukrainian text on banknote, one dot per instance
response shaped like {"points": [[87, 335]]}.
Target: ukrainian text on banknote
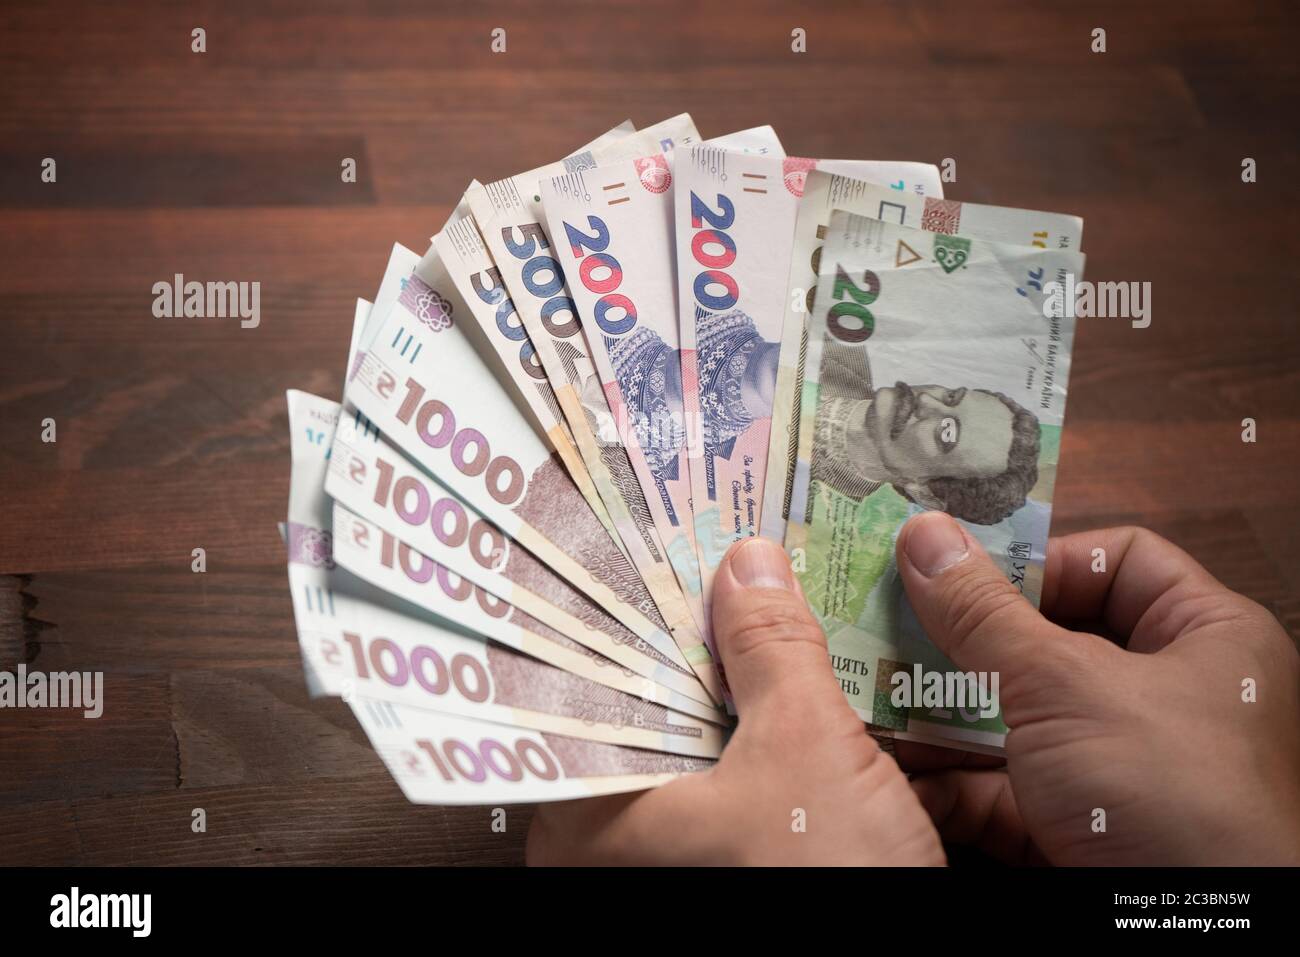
{"points": [[904, 184], [448, 759], [354, 643], [510, 219], [932, 381]]}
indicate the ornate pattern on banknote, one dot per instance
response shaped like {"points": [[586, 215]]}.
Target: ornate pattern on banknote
{"points": [[579, 161], [796, 410], [521, 682], [429, 306], [549, 507], [726, 345], [649, 377], [601, 424], [951, 252], [883, 712], [548, 397], [310, 546], [590, 759], [941, 215], [528, 623], [627, 486], [794, 173], [653, 173]]}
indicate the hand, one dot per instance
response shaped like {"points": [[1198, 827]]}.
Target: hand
{"points": [[1155, 733], [798, 747]]}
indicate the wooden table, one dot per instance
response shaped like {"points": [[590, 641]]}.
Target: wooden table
{"points": [[225, 165]]}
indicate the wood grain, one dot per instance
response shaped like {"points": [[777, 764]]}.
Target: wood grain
{"points": [[225, 165]]}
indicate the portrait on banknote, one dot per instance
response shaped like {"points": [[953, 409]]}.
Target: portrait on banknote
{"points": [[967, 451], [650, 376], [737, 375]]}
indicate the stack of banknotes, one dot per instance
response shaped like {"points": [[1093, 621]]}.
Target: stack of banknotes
{"points": [[605, 371]]}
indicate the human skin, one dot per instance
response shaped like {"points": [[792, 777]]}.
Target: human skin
{"points": [[799, 752], [1155, 733]]}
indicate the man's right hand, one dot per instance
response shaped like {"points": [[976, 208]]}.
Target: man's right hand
{"points": [[1161, 735]]}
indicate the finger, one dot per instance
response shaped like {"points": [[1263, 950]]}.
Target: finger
{"points": [[772, 648], [977, 808], [1117, 576], [971, 612]]}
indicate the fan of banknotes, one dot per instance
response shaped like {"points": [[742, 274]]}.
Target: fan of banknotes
{"points": [[605, 371]]}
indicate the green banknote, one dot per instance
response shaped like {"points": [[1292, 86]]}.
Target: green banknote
{"points": [[935, 378]]}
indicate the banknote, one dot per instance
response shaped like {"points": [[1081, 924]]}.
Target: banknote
{"points": [[461, 210], [470, 266], [372, 479], [612, 135], [424, 385], [468, 263], [555, 349], [734, 219], [932, 381], [920, 206], [354, 642], [377, 556], [510, 220], [385, 561], [458, 536], [599, 144], [728, 241], [614, 229], [902, 183], [448, 759]]}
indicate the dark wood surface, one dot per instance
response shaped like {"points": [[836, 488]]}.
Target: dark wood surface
{"points": [[225, 166]]}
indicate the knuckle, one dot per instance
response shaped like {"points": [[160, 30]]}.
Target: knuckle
{"points": [[1138, 534], [767, 623], [974, 603], [1063, 671], [1138, 539], [1266, 635]]}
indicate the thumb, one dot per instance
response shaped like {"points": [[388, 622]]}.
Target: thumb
{"points": [[771, 646], [967, 606]]}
